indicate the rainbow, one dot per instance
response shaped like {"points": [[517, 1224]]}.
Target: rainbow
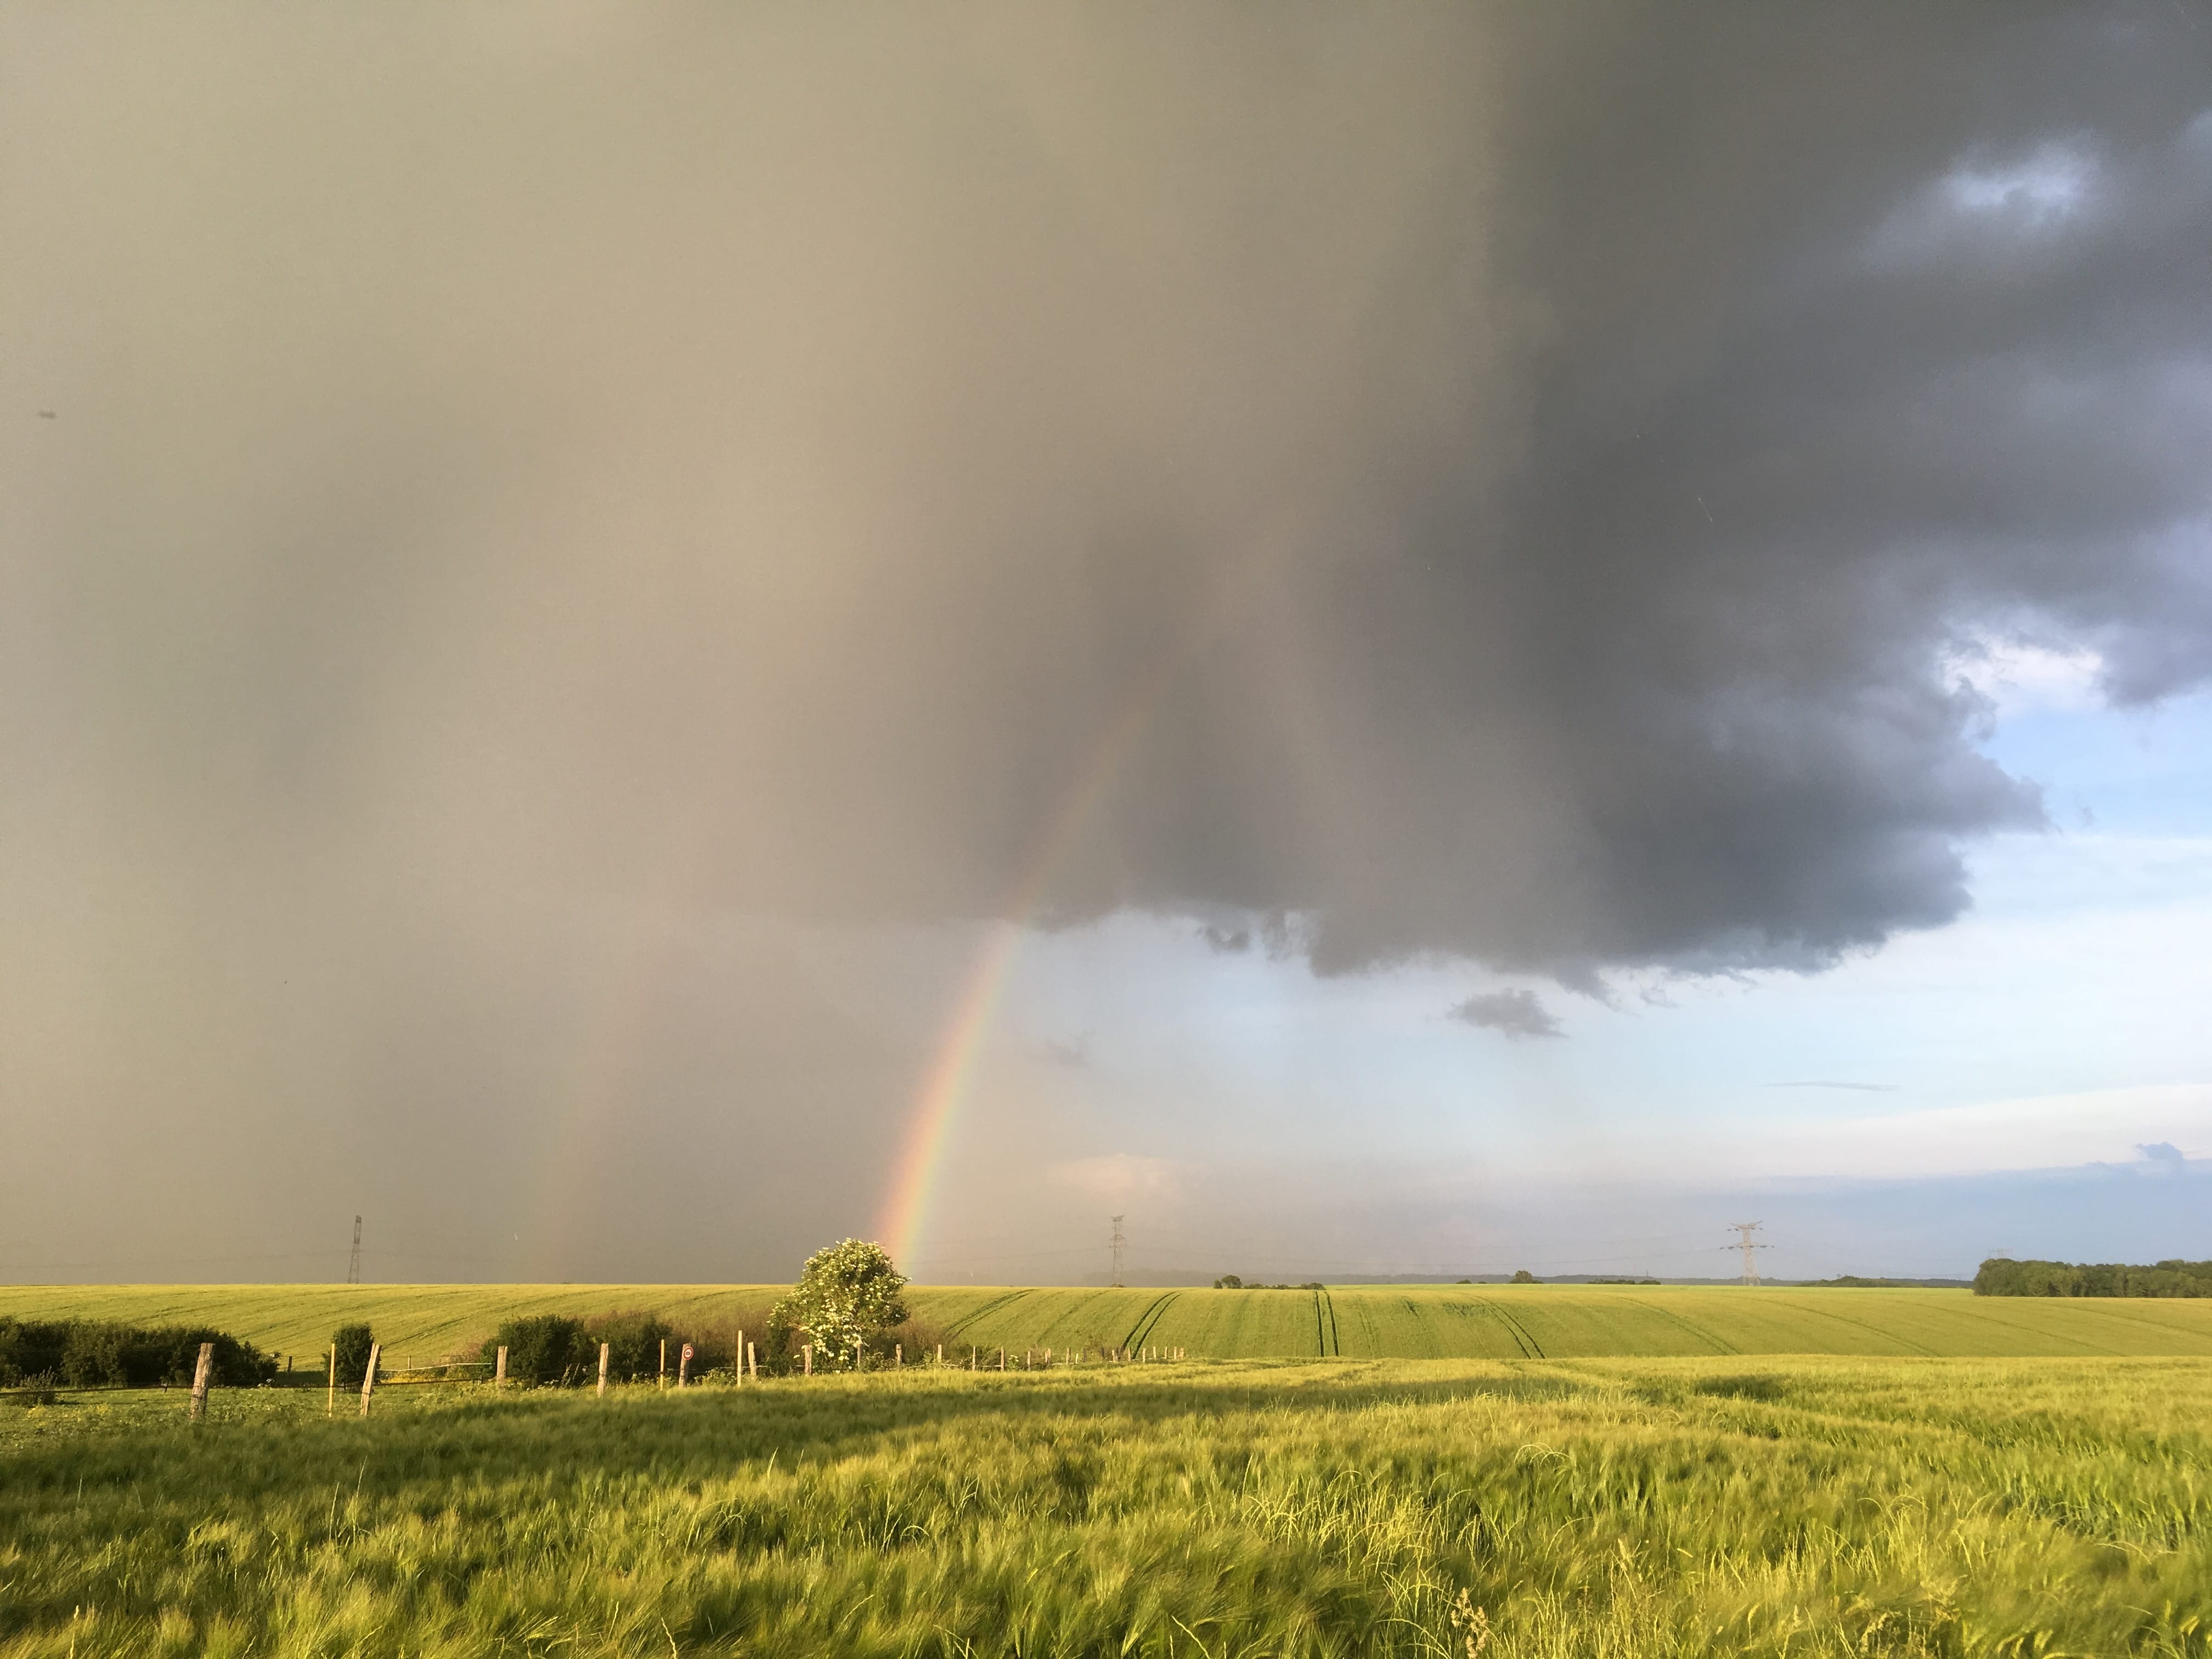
{"points": [[905, 1212]]}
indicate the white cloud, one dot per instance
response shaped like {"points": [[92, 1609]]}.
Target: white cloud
{"points": [[2053, 184], [1119, 1176], [1986, 208], [2096, 1126], [2017, 676]]}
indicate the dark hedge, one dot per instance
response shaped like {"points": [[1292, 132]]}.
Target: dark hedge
{"points": [[87, 1354]]}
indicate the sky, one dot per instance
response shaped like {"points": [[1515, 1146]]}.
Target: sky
{"points": [[635, 639]]}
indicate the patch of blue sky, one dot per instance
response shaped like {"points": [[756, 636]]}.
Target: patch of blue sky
{"points": [[2059, 1022], [2138, 771]]}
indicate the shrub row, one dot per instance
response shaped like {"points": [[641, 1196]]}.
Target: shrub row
{"points": [[557, 1351], [86, 1354], [2172, 1277]]}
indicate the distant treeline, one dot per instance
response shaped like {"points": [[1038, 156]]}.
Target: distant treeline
{"points": [[89, 1353], [2001, 1277]]}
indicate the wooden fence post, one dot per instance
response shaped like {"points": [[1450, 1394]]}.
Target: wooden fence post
{"points": [[333, 1411], [941, 1353], [741, 1357], [898, 1355], [859, 1353], [201, 1374], [684, 1366], [499, 1375], [752, 1358], [664, 1362], [1002, 1359], [368, 1377], [603, 1371], [806, 1351]]}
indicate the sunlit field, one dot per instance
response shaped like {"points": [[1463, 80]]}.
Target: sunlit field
{"points": [[424, 1323], [1807, 1506]]}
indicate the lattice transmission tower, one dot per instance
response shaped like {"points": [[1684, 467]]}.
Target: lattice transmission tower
{"points": [[353, 1266], [1744, 1230], [1118, 1242]]}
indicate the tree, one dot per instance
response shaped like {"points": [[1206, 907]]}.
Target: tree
{"points": [[846, 1294], [634, 1343], [353, 1343], [1228, 1282], [1522, 1276], [551, 1349]]}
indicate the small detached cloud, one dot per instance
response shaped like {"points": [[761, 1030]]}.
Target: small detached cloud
{"points": [[1073, 1052], [2164, 1152], [1227, 940], [1515, 1014], [1823, 1083]]}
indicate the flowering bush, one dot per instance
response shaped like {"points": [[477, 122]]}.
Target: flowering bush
{"points": [[846, 1294]]}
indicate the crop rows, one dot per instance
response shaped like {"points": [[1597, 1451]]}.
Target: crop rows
{"points": [[423, 1323]]}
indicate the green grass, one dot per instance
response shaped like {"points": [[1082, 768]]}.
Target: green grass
{"points": [[1805, 1507], [425, 1322]]}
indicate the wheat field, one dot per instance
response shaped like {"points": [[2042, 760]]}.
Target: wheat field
{"points": [[1799, 1507], [423, 1323]]}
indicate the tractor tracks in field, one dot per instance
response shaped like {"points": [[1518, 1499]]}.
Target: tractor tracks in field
{"points": [[967, 1320], [1148, 1318], [1530, 1348], [1325, 1337], [1861, 1324], [1721, 1344]]}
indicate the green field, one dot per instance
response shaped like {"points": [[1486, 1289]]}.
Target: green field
{"points": [[1800, 1507], [426, 1322]]}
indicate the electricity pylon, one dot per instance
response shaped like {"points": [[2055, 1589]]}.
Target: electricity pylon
{"points": [[352, 1266], [1118, 1242], [1745, 1229]]}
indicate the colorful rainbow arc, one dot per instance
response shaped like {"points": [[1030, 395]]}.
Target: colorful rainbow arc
{"points": [[913, 1179]]}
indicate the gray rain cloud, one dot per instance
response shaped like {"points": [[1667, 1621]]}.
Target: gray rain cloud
{"points": [[1517, 1013], [1506, 484]]}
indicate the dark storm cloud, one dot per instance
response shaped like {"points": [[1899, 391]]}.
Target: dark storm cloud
{"points": [[1505, 483], [1529, 473], [1517, 1013]]}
